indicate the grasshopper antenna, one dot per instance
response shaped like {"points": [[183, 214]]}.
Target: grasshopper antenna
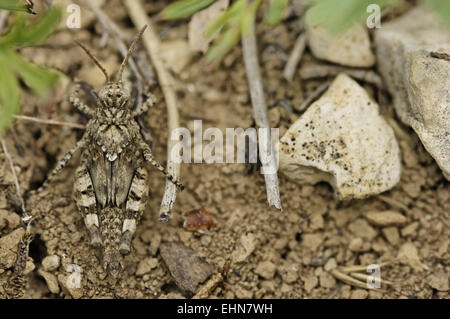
{"points": [[93, 59], [130, 51]]}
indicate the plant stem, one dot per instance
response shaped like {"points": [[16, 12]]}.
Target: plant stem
{"points": [[295, 57], [152, 44], [16, 181], [250, 52], [49, 121]]}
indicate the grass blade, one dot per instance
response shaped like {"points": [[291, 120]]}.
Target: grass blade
{"points": [[184, 8], [9, 95], [228, 40], [276, 12], [231, 14]]}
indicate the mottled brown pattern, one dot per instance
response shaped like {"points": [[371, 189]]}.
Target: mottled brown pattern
{"points": [[111, 183]]}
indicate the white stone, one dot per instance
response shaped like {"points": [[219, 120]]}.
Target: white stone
{"points": [[418, 82], [351, 48], [342, 139]]}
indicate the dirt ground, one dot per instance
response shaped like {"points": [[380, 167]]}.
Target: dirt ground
{"points": [[285, 254]]}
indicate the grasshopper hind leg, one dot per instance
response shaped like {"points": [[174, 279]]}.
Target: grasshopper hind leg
{"points": [[86, 201], [135, 206]]}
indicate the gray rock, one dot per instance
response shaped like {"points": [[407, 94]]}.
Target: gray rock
{"points": [[352, 48], [419, 82], [187, 268], [342, 139]]}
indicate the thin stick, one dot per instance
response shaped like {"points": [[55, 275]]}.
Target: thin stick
{"points": [[250, 52], [16, 181], [104, 19], [364, 277], [362, 268], [49, 121], [393, 202], [152, 44], [314, 95], [295, 57], [322, 71], [350, 280]]}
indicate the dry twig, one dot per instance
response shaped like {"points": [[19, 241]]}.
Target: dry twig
{"points": [[322, 71], [394, 203], [16, 181], [250, 52], [295, 57], [314, 96], [152, 44], [49, 121], [356, 276]]}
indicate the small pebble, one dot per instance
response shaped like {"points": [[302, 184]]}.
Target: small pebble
{"points": [[51, 263]]}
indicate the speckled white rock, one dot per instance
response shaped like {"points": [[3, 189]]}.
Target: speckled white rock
{"points": [[419, 82], [351, 48], [341, 139]]}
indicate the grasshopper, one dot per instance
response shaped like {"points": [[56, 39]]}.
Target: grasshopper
{"points": [[111, 182]]}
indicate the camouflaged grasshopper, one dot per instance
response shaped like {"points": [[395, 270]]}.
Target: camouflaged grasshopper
{"points": [[111, 188]]}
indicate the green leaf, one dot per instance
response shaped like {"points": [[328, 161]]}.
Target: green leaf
{"points": [[228, 40], [23, 35], [9, 95], [184, 8], [37, 79], [232, 14], [276, 12], [13, 66], [339, 15]]}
